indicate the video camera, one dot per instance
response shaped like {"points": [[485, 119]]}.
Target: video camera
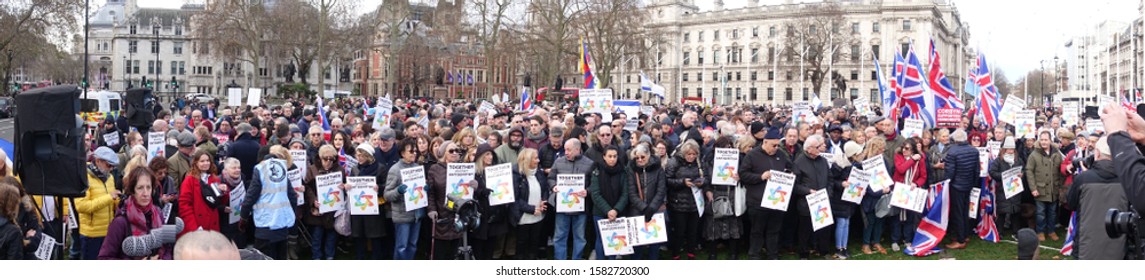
{"points": [[467, 217], [1127, 223]]}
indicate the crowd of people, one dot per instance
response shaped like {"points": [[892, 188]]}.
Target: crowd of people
{"points": [[655, 168]]}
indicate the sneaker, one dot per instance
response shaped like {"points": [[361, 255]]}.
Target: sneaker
{"points": [[895, 246], [847, 253], [841, 255]]}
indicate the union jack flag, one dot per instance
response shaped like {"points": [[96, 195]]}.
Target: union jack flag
{"points": [[526, 101], [1128, 105], [322, 117], [989, 99], [915, 98], [944, 93], [987, 229], [895, 96], [1071, 234], [932, 228]]}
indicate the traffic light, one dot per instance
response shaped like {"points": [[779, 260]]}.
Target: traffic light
{"points": [[174, 83], [83, 82], [144, 82]]}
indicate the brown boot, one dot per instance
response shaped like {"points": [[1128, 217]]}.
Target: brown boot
{"points": [[867, 249], [879, 247], [1041, 237], [1054, 236]]}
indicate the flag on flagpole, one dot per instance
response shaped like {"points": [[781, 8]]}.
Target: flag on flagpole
{"points": [[586, 68], [944, 93], [448, 77], [648, 85], [322, 117], [1071, 235], [987, 229], [932, 228], [526, 99], [917, 99], [989, 99], [885, 93]]}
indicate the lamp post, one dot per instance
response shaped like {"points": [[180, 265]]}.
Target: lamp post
{"points": [[1042, 91], [1057, 79]]}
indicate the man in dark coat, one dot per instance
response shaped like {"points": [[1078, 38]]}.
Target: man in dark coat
{"points": [[811, 176], [245, 149], [1094, 191], [962, 170], [755, 170]]}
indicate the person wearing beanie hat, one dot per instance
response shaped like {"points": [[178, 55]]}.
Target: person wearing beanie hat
{"points": [[368, 229], [835, 141], [758, 129], [755, 170], [512, 145], [842, 210], [1027, 244]]}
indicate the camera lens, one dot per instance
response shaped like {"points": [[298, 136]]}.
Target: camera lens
{"points": [[1118, 223]]}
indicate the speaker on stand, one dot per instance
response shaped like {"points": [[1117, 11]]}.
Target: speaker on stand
{"points": [[50, 156]]}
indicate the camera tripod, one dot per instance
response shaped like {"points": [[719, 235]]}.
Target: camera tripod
{"points": [[465, 252]]}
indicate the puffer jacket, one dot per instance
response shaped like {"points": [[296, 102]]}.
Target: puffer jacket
{"points": [[753, 166], [395, 199], [962, 167], [810, 175], [1004, 206], [680, 195], [1044, 174], [97, 207], [647, 195], [435, 179]]}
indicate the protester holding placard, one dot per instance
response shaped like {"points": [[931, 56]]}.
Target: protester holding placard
{"points": [[530, 188], [754, 172], [908, 161], [368, 229], [406, 223], [962, 168], [812, 175], [646, 194], [843, 210], [1008, 209], [609, 192], [492, 236], [446, 237], [570, 223], [726, 228], [203, 195], [320, 225], [684, 177], [232, 176], [873, 230], [1043, 166]]}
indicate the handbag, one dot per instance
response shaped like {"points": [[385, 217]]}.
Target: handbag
{"points": [[342, 221], [883, 206], [740, 200], [722, 206]]}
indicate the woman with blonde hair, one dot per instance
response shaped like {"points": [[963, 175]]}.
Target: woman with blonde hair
{"points": [[11, 236], [530, 188], [874, 230], [466, 139]]}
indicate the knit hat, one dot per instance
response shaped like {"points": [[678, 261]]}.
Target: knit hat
{"points": [[1008, 143], [1027, 244], [773, 134], [756, 127], [851, 149], [365, 147]]}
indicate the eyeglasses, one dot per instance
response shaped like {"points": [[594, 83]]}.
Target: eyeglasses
{"points": [[329, 158], [605, 135], [457, 151], [641, 157]]}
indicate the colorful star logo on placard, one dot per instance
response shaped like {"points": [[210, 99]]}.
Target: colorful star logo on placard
{"points": [[501, 190], [363, 200], [617, 241], [569, 199], [651, 229], [332, 196], [821, 215], [459, 189], [776, 196], [853, 190], [1013, 185], [419, 194], [726, 171]]}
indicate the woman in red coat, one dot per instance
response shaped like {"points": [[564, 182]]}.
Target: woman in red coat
{"points": [[202, 196], [910, 168]]}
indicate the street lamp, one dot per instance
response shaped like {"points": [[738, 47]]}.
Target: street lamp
{"points": [[1042, 91], [1057, 78]]}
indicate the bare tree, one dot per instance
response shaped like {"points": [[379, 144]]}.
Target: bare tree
{"points": [[492, 18], [238, 29], [25, 21], [615, 31], [815, 37], [549, 37]]}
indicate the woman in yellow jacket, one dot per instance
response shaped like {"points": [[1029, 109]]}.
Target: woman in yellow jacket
{"points": [[97, 208]]}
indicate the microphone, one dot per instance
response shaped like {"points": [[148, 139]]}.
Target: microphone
{"points": [[143, 245]]}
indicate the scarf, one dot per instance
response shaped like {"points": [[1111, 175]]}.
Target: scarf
{"points": [[96, 172], [137, 218], [537, 137]]}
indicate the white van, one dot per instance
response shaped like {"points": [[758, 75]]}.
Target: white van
{"points": [[99, 105]]}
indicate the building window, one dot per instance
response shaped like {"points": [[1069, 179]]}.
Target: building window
{"points": [[126, 66], [855, 53], [132, 46], [874, 75], [700, 57], [787, 94], [770, 94], [178, 49], [182, 68], [906, 25], [159, 67], [854, 93], [788, 75], [755, 32], [174, 67], [875, 95], [684, 91], [875, 51], [771, 32], [135, 67], [854, 75], [735, 33], [716, 56], [737, 76], [150, 67], [155, 29], [753, 94], [178, 30], [855, 27], [699, 76], [132, 29], [905, 48], [154, 46], [770, 54], [770, 75], [739, 95], [687, 57], [687, 37], [753, 76], [755, 55], [700, 37], [700, 92], [875, 27], [716, 35], [684, 77], [715, 76]]}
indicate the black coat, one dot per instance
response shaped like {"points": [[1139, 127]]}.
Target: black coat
{"points": [[370, 226], [651, 181], [680, 195], [548, 154], [810, 175], [840, 208], [11, 240], [521, 193], [495, 219], [753, 166], [245, 149], [962, 167], [1004, 206]]}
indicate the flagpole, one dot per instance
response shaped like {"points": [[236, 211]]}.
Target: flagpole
{"points": [[802, 52], [830, 68], [775, 67]]}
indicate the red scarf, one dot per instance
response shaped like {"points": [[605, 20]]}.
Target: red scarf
{"points": [[138, 221]]}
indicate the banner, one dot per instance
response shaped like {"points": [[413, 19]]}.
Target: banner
{"points": [[596, 101], [329, 189], [880, 179], [499, 179], [820, 207], [983, 162], [234, 97], [567, 185], [650, 232], [254, 97], [1024, 124], [298, 158], [726, 166], [975, 194], [415, 196], [631, 110], [948, 117], [156, 145], [1010, 108], [363, 195], [614, 235], [1094, 125], [856, 186], [863, 106], [777, 195], [382, 113], [912, 128], [1011, 183], [237, 194], [295, 177], [457, 178]]}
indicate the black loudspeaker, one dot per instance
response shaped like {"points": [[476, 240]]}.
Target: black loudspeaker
{"points": [[50, 154], [139, 101], [1091, 112]]}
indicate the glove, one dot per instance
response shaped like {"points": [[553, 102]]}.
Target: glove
{"points": [[648, 212], [432, 215], [402, 189], [482, 192]]}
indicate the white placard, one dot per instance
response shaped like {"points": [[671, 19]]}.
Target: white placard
{"points": [[298, 158], [777, 195], [111, 139], [499, 180], [254, 97], [900, 196], [726, 166], [1070, 111], [801, 112], [1024, 124], [457, 178], [615, 236], [983, 162], [862, 106], [46, 247], [1012, 183], [1010, 108], [1094, 125], [416, 196], [156, 145], [919, 197], [912, 128], [567, 186], [487, 107], [975, 194], [363, 195], [880, 178], [330, 196], [73, 224], [698, 196], [382, 113], [820, 207], [596, 101], [237, 194], [995, 148], [234, 97], [650, 232], [295, 177], [166, 213], [856, 186]]}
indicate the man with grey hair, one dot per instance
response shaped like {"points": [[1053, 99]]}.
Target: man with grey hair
{"points": [[962, 169], [570, 223], [205, 245], [1093, 192], [811, 177]]}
